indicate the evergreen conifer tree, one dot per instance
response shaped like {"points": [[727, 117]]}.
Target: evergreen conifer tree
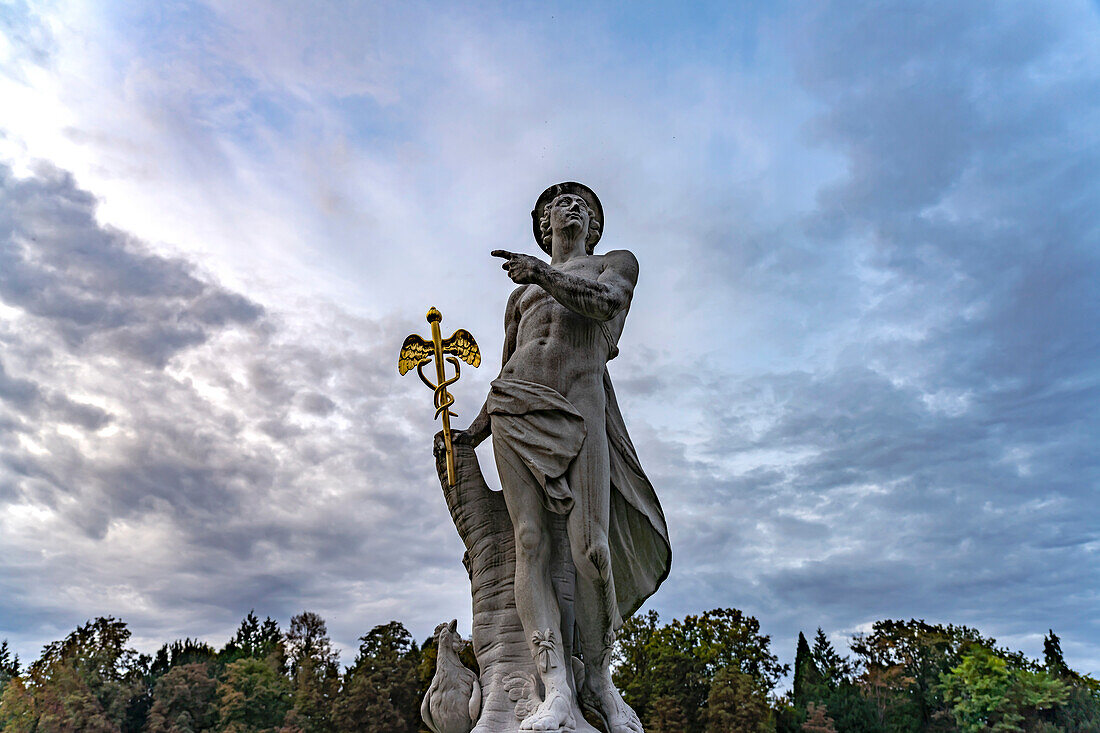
{"points": [[1052, 655], [830, 666], [804, 672], [9, 664]]}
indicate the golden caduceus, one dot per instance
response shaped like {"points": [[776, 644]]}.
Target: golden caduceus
{"points": [[416, 352]]}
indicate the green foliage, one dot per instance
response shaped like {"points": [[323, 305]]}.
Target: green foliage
{"points": [[737, 704], [387, 641], [850, 710], [89, 681], [788, 718], [184, 701], [380, 692], [666, 716], [180, 652], [903, 662], [1054, 662], [17, 708], [681, 660], [97, 650], [710, 673], [828, 685], [307, 641], [314, 672], [805, 673], [253, 696], [9, 665], [256, 640], [829, 666], [1081, 711], [985, 693]]}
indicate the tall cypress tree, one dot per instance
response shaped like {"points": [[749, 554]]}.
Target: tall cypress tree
{"points": [[803, 672]]}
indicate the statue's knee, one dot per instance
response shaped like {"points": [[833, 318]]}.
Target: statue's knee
{"points": [[529, 540], [595, 560]]}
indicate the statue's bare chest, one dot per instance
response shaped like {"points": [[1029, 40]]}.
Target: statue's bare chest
{"points": [[536, 302]]}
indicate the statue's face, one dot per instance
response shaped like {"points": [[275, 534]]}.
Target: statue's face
{"points": [[569, 212]]}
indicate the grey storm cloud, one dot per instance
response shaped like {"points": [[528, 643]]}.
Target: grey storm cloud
{"points": [[28, 397], [88, 282], [936, 455], [214, 459]]}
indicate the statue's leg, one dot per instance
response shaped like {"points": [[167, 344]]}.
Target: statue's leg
{"points": [[536, 603], [597, 612]]}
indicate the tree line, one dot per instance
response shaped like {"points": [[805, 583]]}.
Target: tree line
{"points": [[709, 673]]}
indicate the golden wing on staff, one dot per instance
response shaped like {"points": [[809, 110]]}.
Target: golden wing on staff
{"points": [[462, 344], [414, 352]]}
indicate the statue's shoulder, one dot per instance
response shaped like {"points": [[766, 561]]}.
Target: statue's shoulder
{"points": [[622, 262], [620, 255]]}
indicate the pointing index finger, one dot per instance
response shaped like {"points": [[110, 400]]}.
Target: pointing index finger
{"points": [[503, 253]]}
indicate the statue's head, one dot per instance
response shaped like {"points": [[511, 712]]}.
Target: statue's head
{"points": [[558, 204], [447, 637]]}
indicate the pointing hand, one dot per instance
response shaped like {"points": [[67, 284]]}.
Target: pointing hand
{"points": [[523, 269]]}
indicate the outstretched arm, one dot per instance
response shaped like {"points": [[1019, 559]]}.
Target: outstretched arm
{"points": [[601, 299], [481, 427]]}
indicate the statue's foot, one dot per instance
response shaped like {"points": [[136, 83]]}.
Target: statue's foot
{"points": [[553, 714], [601, 697]]}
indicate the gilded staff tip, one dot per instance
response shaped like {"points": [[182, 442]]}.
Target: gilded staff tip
{"points": [[434, 316]]}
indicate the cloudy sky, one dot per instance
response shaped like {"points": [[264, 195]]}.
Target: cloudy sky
{"points": [[862, 366]]}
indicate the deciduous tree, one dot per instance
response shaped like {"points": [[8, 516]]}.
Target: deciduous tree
{"points": [[184, 701], [903, 662], [985, 693], [253, 696], [90, 681], [737, 704], [17, 708], [680, 661], [666, 716]]}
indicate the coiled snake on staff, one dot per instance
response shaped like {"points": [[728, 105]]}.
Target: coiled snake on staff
{"points": [[416, 352]]}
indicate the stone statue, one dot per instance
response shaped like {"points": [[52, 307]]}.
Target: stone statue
{"points": [[579, 529], [453, 701]]}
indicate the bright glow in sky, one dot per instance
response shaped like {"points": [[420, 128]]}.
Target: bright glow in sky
{"points": [[860, 367]]}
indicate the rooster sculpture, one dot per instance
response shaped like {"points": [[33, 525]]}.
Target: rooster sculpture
{"points": [[453, 701]]}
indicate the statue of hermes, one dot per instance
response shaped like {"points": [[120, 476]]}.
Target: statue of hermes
{"points": [[562, 448]]}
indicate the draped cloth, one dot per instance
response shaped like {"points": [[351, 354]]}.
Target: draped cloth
{"points": [[546, 431]]}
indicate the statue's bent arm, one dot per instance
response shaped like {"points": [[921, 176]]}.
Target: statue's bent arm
{"points": [[482, 427], [602, 299]]}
